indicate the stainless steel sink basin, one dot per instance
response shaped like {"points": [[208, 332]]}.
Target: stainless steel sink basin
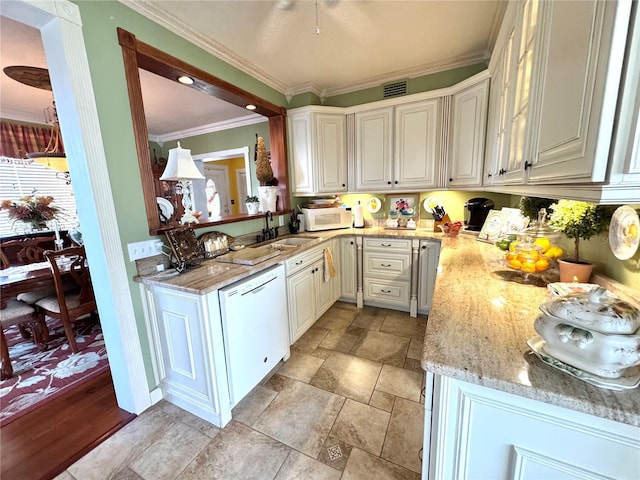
{"points": [[288, 242]]}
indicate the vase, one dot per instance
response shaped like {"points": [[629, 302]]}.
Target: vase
{"points": [[268, 196], [572, 271], [253, 208]]}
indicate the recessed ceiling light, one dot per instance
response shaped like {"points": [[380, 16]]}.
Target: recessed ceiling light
{"points": [[250, 107], [185, 80]]}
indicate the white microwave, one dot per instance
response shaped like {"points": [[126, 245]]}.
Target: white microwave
{"points": [[330, 218]]}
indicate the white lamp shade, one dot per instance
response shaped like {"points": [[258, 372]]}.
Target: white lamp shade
{"points": [[180, 166]]}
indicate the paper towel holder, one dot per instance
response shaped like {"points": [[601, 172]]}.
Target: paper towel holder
{"points": [[358, 215]]}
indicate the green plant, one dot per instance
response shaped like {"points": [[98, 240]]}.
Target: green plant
{"points": [[579, 220], [251, 199], [530, 206]]}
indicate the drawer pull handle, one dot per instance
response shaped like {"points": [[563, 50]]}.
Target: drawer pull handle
{"points": [[385, 244], [299, 262], [382, 290], [385, 265], [265, 359]]}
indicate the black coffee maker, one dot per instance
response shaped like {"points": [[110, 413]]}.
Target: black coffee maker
{"points": [[478, 210]]}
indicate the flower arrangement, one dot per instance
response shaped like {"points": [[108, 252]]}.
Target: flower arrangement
{"points": [[36, 210], [579, 220]]}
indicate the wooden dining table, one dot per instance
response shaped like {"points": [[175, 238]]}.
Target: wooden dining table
{"points": [[24, 278]]}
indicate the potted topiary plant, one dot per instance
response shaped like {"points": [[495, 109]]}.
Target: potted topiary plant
{"points": [[578, 220], [253, 204], [264, 173]]}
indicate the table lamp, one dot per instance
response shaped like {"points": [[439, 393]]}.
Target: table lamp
{"points": [[181, 168]]}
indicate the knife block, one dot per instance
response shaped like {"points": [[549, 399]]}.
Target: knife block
{"points": [[445, 219]]}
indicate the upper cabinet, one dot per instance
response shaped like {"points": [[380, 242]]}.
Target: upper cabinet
{"points": [[467, 136], [564, 101], [374, 150], [318, 150]]}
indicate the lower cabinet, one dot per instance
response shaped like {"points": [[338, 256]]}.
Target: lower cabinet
{"points": [[427, 269], [387, 272], [478, 432], [348, 268], [189, 347], [309, 294]]}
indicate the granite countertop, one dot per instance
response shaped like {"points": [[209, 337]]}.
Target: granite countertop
{"points": [[478, 328]]}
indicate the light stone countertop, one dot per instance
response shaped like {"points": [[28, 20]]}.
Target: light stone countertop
{"points": [[477, 329]]}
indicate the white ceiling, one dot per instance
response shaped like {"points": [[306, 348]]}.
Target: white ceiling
{"points": [[361, 44]]}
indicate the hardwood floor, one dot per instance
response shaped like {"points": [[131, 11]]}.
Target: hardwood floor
{"points": [[43, 443]]}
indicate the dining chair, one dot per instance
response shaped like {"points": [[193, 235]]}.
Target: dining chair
{"points": [[69, 267], [27, 250], [15, 312]]}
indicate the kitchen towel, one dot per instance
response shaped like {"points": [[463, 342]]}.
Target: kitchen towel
{"points": [[329, 267]]}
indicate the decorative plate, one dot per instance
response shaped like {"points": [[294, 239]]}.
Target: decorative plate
{"points": [[430, 203], [632, 380], [624, 232], [374, 205], [165, 209]]}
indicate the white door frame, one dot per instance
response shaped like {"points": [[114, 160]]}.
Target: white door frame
{"points": [[61, 29]]}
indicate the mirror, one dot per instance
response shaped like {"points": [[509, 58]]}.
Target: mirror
{"points": [[137, 55], [228, 181]]}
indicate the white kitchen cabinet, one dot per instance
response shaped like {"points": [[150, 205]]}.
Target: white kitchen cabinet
{"points": [[348, 268], [397, 147], [479, 432], [308, 294], [416, 146], [189, 350], [374, 150], [318, 150], [467, 136], [576, 99], [427, 268]]}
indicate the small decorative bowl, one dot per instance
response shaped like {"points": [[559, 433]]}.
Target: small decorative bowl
{"points": [[450, 229]]}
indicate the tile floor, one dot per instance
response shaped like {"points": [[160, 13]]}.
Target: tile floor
{"points": [[346, 405]]}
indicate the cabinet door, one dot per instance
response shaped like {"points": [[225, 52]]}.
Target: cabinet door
{"points": [[324, 289], [374, 149], [331, 153], [300, 148], [478, 432], [301, 293], [416, 145], [428, 264], [466, 146], [348, 268], [577, 98]]}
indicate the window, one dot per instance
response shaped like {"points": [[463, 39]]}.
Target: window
{"points": [[19, 180]]}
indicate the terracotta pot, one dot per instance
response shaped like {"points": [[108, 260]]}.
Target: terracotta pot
{"points": [[575, 270]]}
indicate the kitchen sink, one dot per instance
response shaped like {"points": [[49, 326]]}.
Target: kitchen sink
{"points": [[287, 243]]}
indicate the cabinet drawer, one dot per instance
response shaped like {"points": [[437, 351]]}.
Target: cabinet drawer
{"points": [[393, 266], [305, 259], [392, 293], [388, 244]]}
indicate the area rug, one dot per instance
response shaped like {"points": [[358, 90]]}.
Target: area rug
{"points": [[41, 376]]}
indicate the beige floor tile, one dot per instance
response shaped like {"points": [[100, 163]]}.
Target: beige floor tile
{"points": [[238, 453], [382, 347], [335, 453], [298, 466], [126, 474], [368, 322], [413, 365], [310, 340], [301, 417], [415, 349], [277, 383], [382, 400], [203, 426], [401, 324], [404, 437], [400, 382], [301, 366], [64, 476], [165, 458], [361, 426], [125, 445], [336, 319], [251, 406], [347, 375], [364, 466], [321, 352], [339, 341]]}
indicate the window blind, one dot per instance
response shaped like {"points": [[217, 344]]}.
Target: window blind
{"points": [[17, 181]]}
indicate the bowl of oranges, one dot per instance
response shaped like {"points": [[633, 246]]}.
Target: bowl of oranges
{"points": [[533, 257]]}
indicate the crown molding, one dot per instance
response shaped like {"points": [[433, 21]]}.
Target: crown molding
{"points": [[419, 71], [208, 44], [495, 27], [209, 128]]}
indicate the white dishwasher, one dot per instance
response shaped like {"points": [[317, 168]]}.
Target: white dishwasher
{"points": [[255, 326]]}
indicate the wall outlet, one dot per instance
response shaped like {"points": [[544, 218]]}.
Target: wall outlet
{"points": [[147, 248]]}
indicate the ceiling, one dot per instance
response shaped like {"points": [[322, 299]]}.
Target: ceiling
{"points": [[360, 44]]}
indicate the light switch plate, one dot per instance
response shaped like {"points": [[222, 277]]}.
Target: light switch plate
{"points": [[144, 249]]}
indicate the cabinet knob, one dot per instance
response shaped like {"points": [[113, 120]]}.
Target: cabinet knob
{"points": [[351, 242], [528, 165], [489, 175], [343, 185], [389, 183], [424, 247], [451, 179], [265, 359], [396, 182]]}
